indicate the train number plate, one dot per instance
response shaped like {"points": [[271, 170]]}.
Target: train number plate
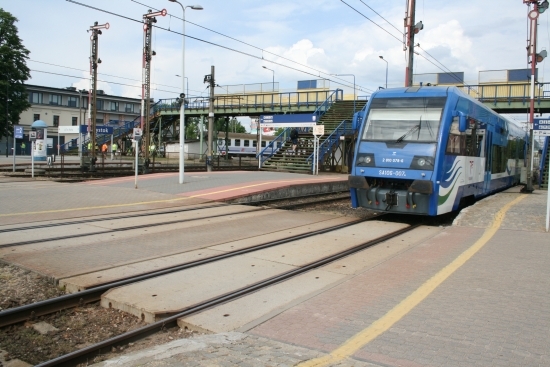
{"points": [[393, 173]]}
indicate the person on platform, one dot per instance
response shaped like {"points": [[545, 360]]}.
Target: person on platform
{"points": [[294, 139], [23, 146], [114, 148]]}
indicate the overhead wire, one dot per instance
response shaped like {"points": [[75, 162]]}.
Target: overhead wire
{"points": [[237, 40], [370, 20], [379, 16], [104, 81], [227, 48]]}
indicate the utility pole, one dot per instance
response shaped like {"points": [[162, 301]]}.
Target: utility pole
{"points": [[148, 20], [535, 58], [210, 79], [92, 93], [408, 43]]}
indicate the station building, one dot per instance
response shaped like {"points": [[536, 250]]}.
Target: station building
{"points": [[69, 107]]}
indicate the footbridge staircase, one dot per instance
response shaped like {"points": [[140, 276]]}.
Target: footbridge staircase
{"points": [[334, 146]]}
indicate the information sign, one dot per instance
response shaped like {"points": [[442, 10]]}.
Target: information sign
{"points": [[18, 132], [294, 120], [32, 135], [319, 130], [541, 127], [137, 133]]}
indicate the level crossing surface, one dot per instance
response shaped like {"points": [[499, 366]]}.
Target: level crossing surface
{"points": [[473, 294]]}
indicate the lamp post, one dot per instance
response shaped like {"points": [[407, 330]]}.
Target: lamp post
{"points": [[182, 108], [383, 59], [354, 89], [273, 71]]}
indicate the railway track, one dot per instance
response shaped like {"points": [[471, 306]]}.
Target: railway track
{"points": [[91, 351]]}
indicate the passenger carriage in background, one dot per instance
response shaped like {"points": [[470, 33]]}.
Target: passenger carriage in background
{"points": [[244, 145], [429, 150]]}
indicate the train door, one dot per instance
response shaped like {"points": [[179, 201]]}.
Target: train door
{"points": [[488, 160]]}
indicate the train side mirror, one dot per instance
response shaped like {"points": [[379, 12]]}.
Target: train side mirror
{"points": [[462, 121]]}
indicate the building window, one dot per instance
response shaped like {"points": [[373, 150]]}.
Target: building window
{"points": [[129, 107], [99, 121], [72, 101], [35, 97], [75, 121], [36, 117], [55, 99], [55, 121], [114, 106], [100, 104]]}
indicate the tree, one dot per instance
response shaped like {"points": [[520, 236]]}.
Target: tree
{"points": [[13, 73]]}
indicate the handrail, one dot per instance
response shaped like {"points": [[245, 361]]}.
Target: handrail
{"points": [[542, 162], [268, 101], [342, 129], [273, 147]]}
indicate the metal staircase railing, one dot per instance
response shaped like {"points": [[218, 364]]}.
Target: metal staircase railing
{"points": [[346, 127], [273, 147], [117, 132], [544, 165]]}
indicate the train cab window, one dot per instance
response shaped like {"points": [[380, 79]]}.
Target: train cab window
{"points": [[246, 143], [237, 142], [474, 138]]}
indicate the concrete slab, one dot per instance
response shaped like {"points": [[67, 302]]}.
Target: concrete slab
{"points": [[81, 282], [269, 302], [300, 252], [154, 298], [275, 299]]}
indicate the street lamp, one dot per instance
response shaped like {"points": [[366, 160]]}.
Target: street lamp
{"points": [[382, 57], [273, 71], [182, 108], [354, 97]]}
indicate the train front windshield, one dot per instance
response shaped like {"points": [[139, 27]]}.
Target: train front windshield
{"points": [[404, 119]]}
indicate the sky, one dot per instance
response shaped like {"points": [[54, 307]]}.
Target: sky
{"points": [[238, 37]]}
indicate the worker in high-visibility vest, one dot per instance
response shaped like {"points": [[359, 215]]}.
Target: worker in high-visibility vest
{"points": [[152, 149], [114, 147]]}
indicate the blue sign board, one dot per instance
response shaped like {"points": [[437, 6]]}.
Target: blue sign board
{"points": [[100, 130], [18, 132], [294, 120], [541, 126]]}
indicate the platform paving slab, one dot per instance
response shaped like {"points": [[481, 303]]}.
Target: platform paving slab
{"points": [[224, 349], [247, 312], [63, 259], [153, 299], [84, 281]]}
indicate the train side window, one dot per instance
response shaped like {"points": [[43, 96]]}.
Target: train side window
{"points": [[456, 142], [237, 142], [264, 143], [473, 139], [254, 143], [246, 143]]}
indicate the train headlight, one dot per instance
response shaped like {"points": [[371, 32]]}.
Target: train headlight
{"points": [[422, 163], [365, 160]]}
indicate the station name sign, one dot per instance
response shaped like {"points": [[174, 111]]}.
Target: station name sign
{"points": [[103, 130], [541, 127], [289, 120]]}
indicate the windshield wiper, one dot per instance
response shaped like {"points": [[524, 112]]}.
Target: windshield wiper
{"points": [[412, 130]]}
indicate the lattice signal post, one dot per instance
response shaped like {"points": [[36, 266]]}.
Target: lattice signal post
{"points": [[148, 20]]}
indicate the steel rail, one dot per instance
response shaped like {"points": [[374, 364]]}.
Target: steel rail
{"points": [[42, 240], [92, 220], [89, 352], [19, 314]]}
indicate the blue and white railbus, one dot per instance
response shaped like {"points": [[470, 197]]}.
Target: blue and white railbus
{"points": [[429, 150]]}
